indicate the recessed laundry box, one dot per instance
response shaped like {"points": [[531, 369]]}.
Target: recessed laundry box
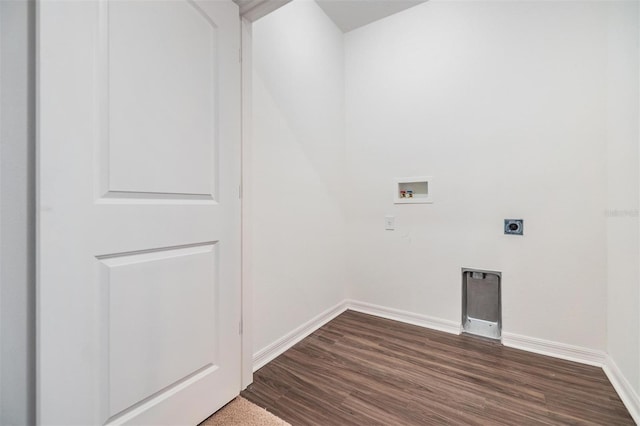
{"points": [[481, 303]]}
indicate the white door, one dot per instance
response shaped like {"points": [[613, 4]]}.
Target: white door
{"points": [[139, 211]]}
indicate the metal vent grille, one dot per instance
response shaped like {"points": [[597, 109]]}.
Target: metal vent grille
{"points": [[481, 303]]}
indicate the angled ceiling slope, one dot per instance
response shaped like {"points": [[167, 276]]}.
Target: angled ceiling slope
{"points": [[351, 14], [347, 14], [256, 9]]}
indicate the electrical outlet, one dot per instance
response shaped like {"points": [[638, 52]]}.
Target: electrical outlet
{"points": [[514, 226]]}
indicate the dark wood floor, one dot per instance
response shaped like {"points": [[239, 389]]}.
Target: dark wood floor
{"points": [[363, 370]]}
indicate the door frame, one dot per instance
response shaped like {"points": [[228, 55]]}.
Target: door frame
{"points": [[246, 54], [249, 12]]}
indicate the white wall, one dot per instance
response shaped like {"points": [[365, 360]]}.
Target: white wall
{"points": [[451, 89], [623, 321], [504, 103], [518, 109], [17, 221], [297, 262]]}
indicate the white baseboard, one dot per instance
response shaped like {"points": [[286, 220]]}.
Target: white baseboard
{"points": [[554, 349], [269, 353], [404, 316], [625, 391]]}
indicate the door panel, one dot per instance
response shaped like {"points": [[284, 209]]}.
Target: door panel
{"points": [[161, 92], [152, 299], [138, 215]]}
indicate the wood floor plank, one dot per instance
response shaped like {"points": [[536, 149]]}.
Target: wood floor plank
{"points": [[363, 370]]}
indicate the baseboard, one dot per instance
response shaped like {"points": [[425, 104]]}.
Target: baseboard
{"points": [[269, 353], [530, 344], [625, 391], [404, 316], [554, 349]]}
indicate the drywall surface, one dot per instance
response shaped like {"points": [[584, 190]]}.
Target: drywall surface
{"points": [[622, 202], [17, 221], [504, 104], [297, 259]]}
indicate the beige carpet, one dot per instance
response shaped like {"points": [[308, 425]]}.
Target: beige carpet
{"points": [[241, 412]]}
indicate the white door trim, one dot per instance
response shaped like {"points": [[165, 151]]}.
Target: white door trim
{"points": [[247, 124]]}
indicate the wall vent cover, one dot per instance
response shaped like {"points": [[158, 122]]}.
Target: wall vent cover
{"points": [[481, 303]]}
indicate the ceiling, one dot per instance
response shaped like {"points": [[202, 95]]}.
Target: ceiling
{"points": [[347, 14], [351, 14], [256, 9]]}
